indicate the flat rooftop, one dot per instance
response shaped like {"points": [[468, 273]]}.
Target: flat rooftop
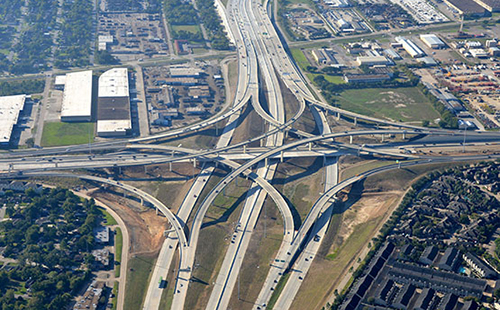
{"points": [[114, 83], [466, 6], [77, 97], [10, 107], [112, 127]]}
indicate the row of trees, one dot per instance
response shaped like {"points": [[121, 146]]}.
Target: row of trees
{"points": [[213, 24], [76, 35], [179, 12], [21, 87], [54, 255], [34, 46]]}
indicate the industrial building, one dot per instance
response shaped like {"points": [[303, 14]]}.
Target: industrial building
{"points": [[432, 41], [467, 8], [323, 56], [77, 97], [490, 5], [10, 108], [410, 47], [113, 114], [185, 72], [372, 60]]}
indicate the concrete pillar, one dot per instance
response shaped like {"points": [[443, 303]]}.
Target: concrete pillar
{"points": [[286, 134], [142, 202], [383, 137], [338, 116], [120, 170], [265, 161], [173, 153], [355, 121], [404, 135], [281, 156], [350, 139], [156, 211], [170, 166], [145, 169], [244, 149], [194, 162], [310, 146]]}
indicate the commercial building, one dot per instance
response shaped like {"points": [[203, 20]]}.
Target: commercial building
{"points": [[77, 97], [432, 41], [185, 72], [373, 60], [10, 108], [490, 5], [478, 53], [411, 48], [113, 113], [467, 8]]}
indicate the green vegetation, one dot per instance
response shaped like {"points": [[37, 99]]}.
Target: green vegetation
{"points": [[139, 270], [105, 58], [195, 29], [8, 88], [109, 220], [51, 240], [277, 291], [398, 104], [58, 133], [179, 12], [114, 300], [76, 34], [300, 58], [334, 79], [118, 250], [34, 46], [213, 24]]}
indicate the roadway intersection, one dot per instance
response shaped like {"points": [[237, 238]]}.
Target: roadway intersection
{"points": [[263, 60]]}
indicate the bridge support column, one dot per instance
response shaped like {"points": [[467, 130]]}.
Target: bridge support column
{"points": [[266, 161], [173, 153], [382, 138], [142, 202], [170, 166], [338, 116], [355, 121], [156, 211], [120, 170], [145, 169], [281, 156], [244, 149], [194, 162], [404, 135], [261, 142], [350, 139], [286, 134], [310, 146]]}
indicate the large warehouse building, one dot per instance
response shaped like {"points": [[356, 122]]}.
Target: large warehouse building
{"points": [[10, 108], [410, 47], [77, 98], [113, 112], [432, 41], [467, 7], [490, 5]]}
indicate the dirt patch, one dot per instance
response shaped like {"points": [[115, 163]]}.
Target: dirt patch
{"points": [[250, 126], [144, 226], [352, 229]]}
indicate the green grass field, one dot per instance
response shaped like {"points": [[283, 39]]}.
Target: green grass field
{"points": [[109, 220], [406, 104], [139, 270], [335, 79], [115, 297], [118, 247], [300, 58], [187, 28], [58, 133]]}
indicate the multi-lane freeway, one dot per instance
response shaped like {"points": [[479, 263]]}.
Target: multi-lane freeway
{"points": [[262, 62]]}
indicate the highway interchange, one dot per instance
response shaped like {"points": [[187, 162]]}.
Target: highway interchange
{"points": [[263, 59]]}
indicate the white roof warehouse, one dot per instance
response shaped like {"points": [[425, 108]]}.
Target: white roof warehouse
{"points": [[77, 98], [10, 107]]}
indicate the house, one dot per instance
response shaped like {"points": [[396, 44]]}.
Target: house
{"points": [[429, 255]]}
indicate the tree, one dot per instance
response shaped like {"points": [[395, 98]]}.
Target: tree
{"points": [[105, 58]]}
